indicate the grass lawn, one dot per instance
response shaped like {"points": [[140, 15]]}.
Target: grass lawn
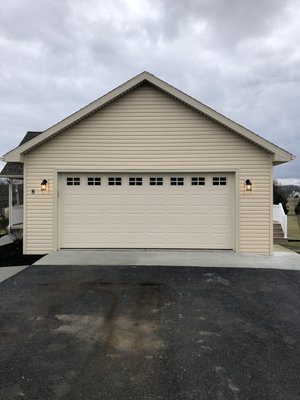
{"points": [[293, 227], [293, 232], [3, 231], [292, 202]]}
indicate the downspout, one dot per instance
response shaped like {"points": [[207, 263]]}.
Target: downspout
{"points": [[9, 204], [17, 195]]}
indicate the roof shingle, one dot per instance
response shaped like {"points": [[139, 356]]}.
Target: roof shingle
{"points": [[14, 169]]}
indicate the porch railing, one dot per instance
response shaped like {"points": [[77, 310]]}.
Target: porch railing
{"points": [[17, 215], [280, 216]]}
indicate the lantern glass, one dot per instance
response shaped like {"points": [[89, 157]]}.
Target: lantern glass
{"points": [[248, 185], [44, 185]]}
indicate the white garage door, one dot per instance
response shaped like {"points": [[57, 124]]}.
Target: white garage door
{"points": [[147, 211]]}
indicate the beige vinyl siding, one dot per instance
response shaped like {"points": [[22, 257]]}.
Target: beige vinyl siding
{"points": [[148, 130]]}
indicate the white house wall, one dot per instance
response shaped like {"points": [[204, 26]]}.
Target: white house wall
{"points": [[147, 130]]}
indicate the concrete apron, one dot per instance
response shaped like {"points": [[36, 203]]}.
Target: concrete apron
{"points": [[7, 272], [182, 258]]}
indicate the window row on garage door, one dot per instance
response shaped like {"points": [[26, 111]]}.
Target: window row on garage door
{"points": [[151, 180]]}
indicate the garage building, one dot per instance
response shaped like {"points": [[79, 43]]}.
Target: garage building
{"points": [[147, 166]]}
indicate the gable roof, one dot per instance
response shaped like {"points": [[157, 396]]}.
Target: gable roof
{"points": [[29, 136], [12, 170], [279, 155], [15, 169]]}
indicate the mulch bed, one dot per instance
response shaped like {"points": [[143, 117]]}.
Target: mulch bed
{"points": [[12, 255]]}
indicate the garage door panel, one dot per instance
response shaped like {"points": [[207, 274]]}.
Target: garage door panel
{"points": [[74, 210], [218, 211], [94, 220], [155, 200], [198, 200], [198, 210], [144, 216], [217, 199], [133, 200], [175, 200], [219, 219], [72, 222], [155, 220], [93, 200], [133, 212], [94, 213], [103, 199], [73, 199], [73, 238]]}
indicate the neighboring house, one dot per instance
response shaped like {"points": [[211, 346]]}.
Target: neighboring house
{"points": [[147, 166], [13, 172]]}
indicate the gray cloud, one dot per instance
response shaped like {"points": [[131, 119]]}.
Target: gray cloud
{"points": [[241, 58], [227, 22]]}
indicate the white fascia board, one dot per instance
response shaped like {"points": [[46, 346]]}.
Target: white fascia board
{"points": [[280, 155]]}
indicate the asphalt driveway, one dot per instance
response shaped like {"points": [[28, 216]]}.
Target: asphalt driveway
{"points": [[150, 333]]}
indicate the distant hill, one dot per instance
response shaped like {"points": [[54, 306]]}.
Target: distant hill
{"points": [[290, 189]]}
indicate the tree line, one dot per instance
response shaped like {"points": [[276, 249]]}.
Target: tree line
{"points": [[281, 194]]}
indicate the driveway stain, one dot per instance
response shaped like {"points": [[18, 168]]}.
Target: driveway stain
{"points": [[121, 333], [212, 277], [227, 383], [206, 333]]}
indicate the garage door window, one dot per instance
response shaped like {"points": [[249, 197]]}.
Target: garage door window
{"points": [[219, 180], [114, 181], [156, 181], [133, 181], [73, 181], [198, 180], [174, 181], [94, 181]]}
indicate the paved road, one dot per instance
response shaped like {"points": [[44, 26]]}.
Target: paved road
{"points": [[150, 333]]}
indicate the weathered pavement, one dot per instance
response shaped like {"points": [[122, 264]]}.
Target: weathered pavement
{"points": [[150, 333]]}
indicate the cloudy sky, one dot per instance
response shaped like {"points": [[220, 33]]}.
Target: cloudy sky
{"points": [[240, 57]]}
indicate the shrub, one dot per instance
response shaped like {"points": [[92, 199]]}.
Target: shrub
{"points": [[297, 208], [3, 224], [280, 196]]}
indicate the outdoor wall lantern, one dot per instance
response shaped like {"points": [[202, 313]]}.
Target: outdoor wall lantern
{"points": [[44, 185], [248, 185]]}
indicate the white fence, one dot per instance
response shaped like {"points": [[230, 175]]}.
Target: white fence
{"points": [[279, 216]]}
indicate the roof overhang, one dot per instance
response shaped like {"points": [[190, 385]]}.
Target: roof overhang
{"points": [[279, 155]]}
